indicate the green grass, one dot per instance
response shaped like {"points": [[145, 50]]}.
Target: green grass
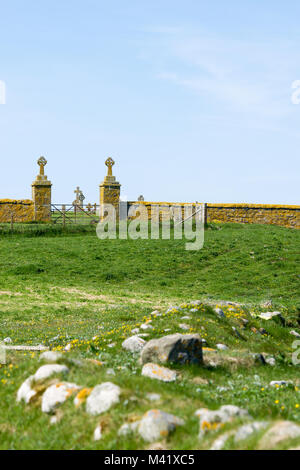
{"points": [[68, 286]]}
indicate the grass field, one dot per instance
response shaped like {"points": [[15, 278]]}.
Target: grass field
{"points": [[59, 287]]}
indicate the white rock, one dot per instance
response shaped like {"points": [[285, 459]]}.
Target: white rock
{"points": [[294, 333], [25, 391], [51, 356], [111, 345], [154, 371], [220, 442], [224, 414], [135, 331], [98, 433], [146, 326], [156, 424], [56, 395], [102, 397], [271, 316], [280, 382], [243, 432], [156, 312], [186, 317], [133, 344], [184, 326], [110, 372], [153, 396], [270, 360], [7, 340], [128, 428], [44, 372], [222, 347], [278, 433], [68, 347]]}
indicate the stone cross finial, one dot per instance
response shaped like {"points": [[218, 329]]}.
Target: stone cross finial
{"points": [[42, 162], [77, 192], [109, 163]]}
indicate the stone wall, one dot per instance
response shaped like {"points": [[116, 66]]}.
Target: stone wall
{"points": [[163, 210], [275, 214], [21, 210]]}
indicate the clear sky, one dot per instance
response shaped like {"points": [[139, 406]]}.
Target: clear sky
{"points": [[191, 98]]}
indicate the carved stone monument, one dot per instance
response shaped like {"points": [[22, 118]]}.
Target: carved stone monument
{"points": [[41, 194], [109, 190]]}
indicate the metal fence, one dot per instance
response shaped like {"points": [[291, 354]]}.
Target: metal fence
{"points": [[70, 214]]}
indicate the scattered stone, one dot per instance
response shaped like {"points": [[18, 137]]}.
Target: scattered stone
{"points": [[51, 356], [156, 424], [156, 312], [26, 391], [243, 432], [178, 348], [128, 428], [220, 442], [154, 371], [194, 310], [294, 333], [153, 396], [102, 398], [186, 317], [184, 326], [278, 383], [272, 316], [222, 347], [133, 344], [44, 372], [135, 331], [111, 345], [213, 419], [146, 326], [219, 312], [7, 340], [68, 347], [98, 433], [110, 372], [56, 395], [279, 432], [270, 360]]}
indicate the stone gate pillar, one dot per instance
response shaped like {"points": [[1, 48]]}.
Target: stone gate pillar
{"points": [[41, 194], [109, 190]]}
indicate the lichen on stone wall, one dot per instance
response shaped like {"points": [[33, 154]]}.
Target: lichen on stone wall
{"points": [[16, 210]]}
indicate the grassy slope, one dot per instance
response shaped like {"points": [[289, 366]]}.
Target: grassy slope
{"points": [[76, 287]]}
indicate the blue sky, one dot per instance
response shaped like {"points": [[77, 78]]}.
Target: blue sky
{"points": [[191, 98]]}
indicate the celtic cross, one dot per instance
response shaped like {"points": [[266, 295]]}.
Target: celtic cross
{"points": [[42, 162], [109, 163]]}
